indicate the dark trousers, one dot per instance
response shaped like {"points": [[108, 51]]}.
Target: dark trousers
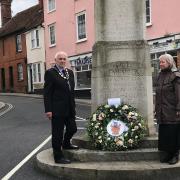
{"points": [[169, 138], [58, 136]]}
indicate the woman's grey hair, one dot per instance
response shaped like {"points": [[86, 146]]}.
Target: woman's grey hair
{"points": [[170, 60]]}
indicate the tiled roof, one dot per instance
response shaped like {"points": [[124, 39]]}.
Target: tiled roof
{"points": [[23, 21]]}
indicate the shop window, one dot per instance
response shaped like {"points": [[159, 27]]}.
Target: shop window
{"points": [[83, 79], [52, 35], [81, 26], [20, 71]]}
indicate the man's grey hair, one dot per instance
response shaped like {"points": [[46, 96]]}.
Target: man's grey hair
{"points": [[60, 53], [170, 60]]}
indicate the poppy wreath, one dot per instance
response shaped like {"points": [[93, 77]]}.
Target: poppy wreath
{"points": [[105, 125]]}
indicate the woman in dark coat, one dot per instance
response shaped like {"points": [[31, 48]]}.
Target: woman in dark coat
{"points": [[168, 109]]}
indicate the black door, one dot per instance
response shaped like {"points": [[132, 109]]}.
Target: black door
{"points": [[3, 82], [11, 79]]}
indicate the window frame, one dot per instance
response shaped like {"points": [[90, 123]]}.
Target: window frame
{"points": [[36, 72], [20, 75], [35, 39], [48, 6], [18, 43], [149, 10], [49, 32], [77, 27]]}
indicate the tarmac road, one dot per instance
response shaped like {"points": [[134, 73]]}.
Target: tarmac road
{"points": [[22, 129]]}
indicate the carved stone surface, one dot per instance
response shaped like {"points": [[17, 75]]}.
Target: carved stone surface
{"points": [[121, 60]]}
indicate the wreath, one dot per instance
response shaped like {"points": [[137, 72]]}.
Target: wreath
{"points": [[116, 128]]}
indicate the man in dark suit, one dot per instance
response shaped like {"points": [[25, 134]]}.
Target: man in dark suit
{"points": [[59, 105]]}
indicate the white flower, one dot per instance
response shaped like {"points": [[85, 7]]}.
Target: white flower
{"points": [[94, 117], [119, 143], [136, 137], [130, 141], [125, 134], [111, 110], [125, 107], [136, 114], [108, 138], [102, 115], [96, 133], [106, 106], [139, 124], [132, 129], [100, 118], [99, 137], [100, 141], [136, 127]]}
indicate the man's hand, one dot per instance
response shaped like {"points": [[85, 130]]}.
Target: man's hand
{"points": [[49, 115], [178, 113]]}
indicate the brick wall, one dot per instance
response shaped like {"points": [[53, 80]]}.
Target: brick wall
{"points": [[10, 58]]}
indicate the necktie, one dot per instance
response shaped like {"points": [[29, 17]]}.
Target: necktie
{"points": [[64, 73]]}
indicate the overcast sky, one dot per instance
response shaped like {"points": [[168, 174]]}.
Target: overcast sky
{"points": [[20, 5]]}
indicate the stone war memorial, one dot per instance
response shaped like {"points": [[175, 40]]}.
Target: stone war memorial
{"points": [[122, 140]]}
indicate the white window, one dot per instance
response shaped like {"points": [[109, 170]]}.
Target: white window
{"points": [[20, 71], [35, 38], [52, 34], [51, 5], [18, 43], [81, 26], [148, 12], [36, 71]]}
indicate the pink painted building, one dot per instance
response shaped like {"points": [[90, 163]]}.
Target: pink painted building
{"points": [[69, 27]]}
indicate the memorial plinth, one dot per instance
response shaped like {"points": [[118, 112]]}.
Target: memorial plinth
{"points": [[121, 60]]}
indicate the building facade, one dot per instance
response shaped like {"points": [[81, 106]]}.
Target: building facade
{"points": [[69, 27], [14, 47], [163, 31]]}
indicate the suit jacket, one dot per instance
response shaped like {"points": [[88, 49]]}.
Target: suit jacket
{"points": [[58, 97]]}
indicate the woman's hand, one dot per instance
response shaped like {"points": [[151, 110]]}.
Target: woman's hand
{"points": [[49, 115], [178, 113]]}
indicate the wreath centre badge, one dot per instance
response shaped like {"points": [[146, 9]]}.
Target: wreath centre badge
{"points": [[116, 127]]}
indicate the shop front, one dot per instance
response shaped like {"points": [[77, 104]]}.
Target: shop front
{"points": [[82, 65], [169, 44]]}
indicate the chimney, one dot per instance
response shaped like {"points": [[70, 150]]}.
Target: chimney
{"points": [[41, 4], [5, 11]]}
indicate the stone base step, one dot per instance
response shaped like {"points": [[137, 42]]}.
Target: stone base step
{"points": [[142, 170], [148, 142], [86, 155]]}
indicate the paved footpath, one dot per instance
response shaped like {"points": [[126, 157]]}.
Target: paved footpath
{"points": [[83, 101]]}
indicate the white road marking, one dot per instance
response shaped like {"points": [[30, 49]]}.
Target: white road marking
{"points": [[10, 106], [16, 168]]}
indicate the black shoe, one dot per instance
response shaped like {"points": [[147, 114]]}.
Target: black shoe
{"points": [[62, 160], [173, 160], [70, 146], [165, 158]]}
